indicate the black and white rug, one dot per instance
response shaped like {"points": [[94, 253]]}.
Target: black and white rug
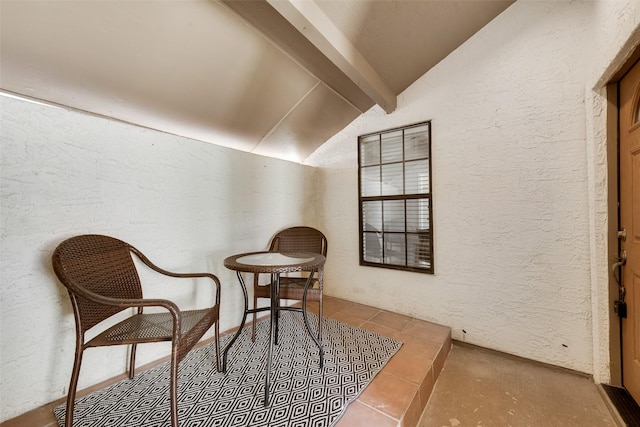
{"points": [[301, 394]]}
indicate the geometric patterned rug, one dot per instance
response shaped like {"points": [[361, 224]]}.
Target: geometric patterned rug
{"points": [[301, 394]]}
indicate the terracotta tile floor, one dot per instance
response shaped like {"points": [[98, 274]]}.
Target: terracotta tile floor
{"points": [[398, 394]]}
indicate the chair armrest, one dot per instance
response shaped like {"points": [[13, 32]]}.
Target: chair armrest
{"points": [[128, 302], [124, 303], [160, 270]]}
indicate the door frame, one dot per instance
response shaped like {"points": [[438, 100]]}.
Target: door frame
{"points": [[613, 197]]}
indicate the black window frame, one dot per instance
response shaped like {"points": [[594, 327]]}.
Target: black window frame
{"points": [[415, 246]]}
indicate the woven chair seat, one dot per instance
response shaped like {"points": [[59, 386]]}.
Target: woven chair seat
{"points": [[152, 327]]}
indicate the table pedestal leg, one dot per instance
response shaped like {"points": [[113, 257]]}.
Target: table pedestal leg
{"points": [[273, 327], [273, 324], [244, 318], [306, 320]]}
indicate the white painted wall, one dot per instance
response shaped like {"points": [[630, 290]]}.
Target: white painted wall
{"points": [[184, 203], [622, 23], [519, 185]]}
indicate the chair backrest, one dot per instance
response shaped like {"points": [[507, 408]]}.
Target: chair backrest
{"points": [[99, 264], [300, 239]]}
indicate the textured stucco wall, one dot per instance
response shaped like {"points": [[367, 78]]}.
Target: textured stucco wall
{"points": [[186, 204], [612, 50], [519, 185]]}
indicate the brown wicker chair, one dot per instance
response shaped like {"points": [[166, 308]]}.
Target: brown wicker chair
{"points": [[294, 239], [102, 280]]}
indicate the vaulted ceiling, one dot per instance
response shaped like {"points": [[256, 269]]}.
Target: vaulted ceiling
{"points": [[272, 77]]}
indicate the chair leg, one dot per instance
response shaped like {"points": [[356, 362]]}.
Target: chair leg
{"points": [[173, 389], [132, 361], [73, 385], [253, 324], [218, 366], [277, 317], [320, 320], [255, 305]]}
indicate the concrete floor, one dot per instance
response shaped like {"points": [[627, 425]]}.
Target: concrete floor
{"points": [[483, 388]]}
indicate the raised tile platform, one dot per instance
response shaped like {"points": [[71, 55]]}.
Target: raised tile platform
{"points": [[399, 393]]}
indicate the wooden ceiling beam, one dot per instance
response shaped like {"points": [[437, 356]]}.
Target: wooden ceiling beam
{"points": [[351, 81], [307, 17]]}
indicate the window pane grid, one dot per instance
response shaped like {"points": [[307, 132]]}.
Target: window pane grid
{"points": [[370, 150], [393, 214], [372, 216], [417, 177], [370, 182], [392, 178], [395, 198], [392, 147], [416, 143]]}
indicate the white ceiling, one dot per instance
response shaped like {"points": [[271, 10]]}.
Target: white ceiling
{"points": [[272, 77]]}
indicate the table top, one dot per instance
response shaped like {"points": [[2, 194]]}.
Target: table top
{"points": [[274, 262]]}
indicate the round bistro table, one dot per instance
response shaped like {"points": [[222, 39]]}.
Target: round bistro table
{"points": [[274, 263]]}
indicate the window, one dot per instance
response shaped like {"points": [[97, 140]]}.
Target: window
{"points": [[394, 175]]}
